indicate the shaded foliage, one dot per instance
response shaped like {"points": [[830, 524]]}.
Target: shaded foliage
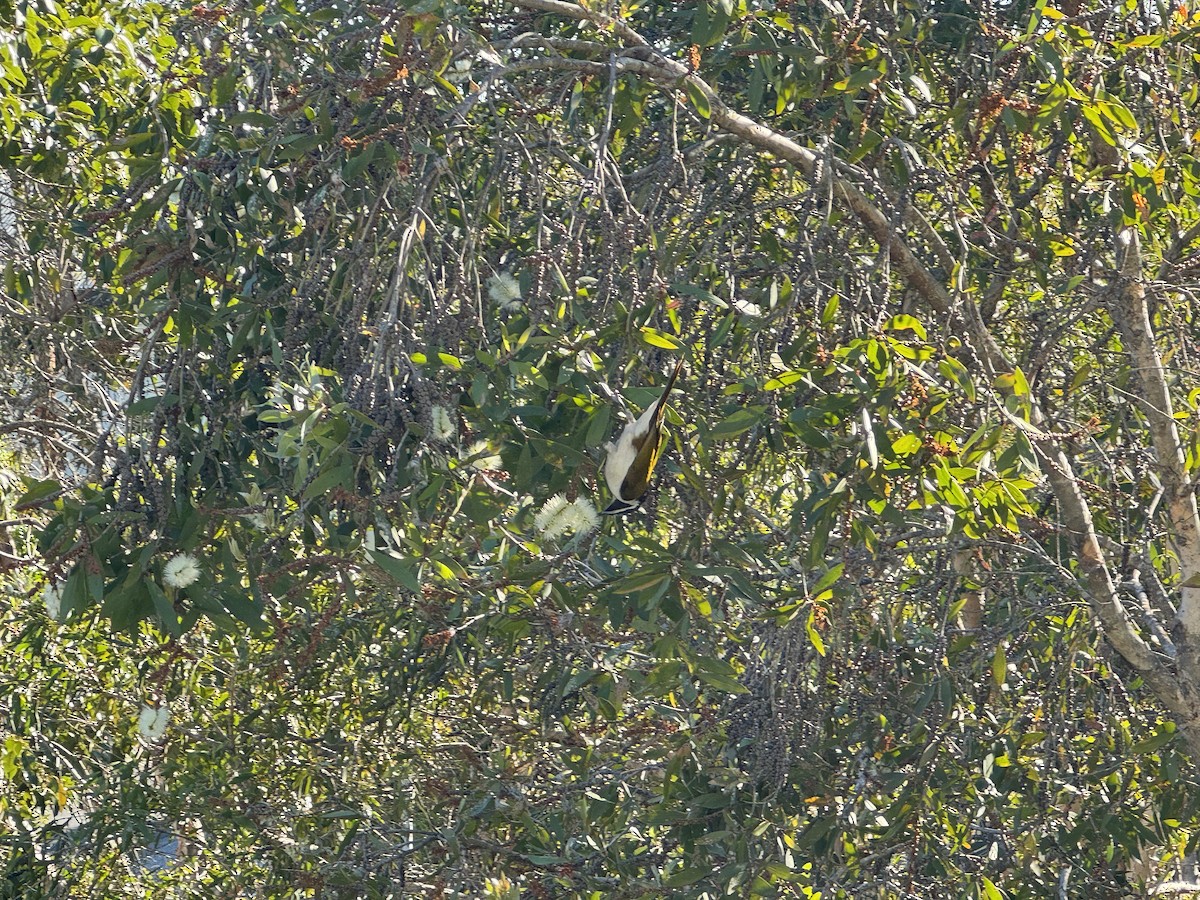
{"points": [[329, 297]]}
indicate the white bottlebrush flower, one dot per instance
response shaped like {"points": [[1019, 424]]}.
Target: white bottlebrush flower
{"points": [[181, 570], [480, 456], [505, 291], [152, 722], [444, 428], [549, 519], [558, 517], [52, 597], [582, 516]]}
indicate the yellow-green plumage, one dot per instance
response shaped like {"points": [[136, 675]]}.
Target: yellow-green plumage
{"points": [[632, 458]]}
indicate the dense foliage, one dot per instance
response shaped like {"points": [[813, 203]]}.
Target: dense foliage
{"points": [[312, 310]]}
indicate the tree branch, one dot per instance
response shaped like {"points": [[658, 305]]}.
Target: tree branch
{"points": [[1157, 669], [1131, 314], [1077, 518], [668, 73]]}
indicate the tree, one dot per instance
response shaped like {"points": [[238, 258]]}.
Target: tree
{"points": [[321, 304]]}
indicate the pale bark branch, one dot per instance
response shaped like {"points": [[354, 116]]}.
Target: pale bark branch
{"points": [[1131, 313], [1182, 241], [1077, 519], [669, 73], [971, 617]]}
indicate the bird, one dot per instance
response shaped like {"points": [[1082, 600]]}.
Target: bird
{"points": [[631, 459]]}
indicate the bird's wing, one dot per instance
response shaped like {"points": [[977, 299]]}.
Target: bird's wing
{"points": [[649, 441], [649, 448]]}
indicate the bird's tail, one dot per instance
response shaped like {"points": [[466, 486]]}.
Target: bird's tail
{"points": [[662, 401]]}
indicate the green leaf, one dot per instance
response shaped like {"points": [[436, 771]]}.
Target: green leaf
{"points": [[1093, 115], [989, 891], [740, 421], [711, 19], [542, 859], [829, 311], [699, 99], [252, 119], [814, 636], [358, 164], [1117, 112], [955, 371], [712, 800], [150, 404], [721, 682], [1145, 40], [336, 476], [241, 603], [128, 604], [648, 580], [858, 80], [656, 338], [688, 876], [598, 427], [828, 580], [904, 322], [999, 665], [164, 608], [1020, 386], [782, 380], [1164, 735], [224, 86], [74, 594], [35, 491], [400, 570], [95, 581]]}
